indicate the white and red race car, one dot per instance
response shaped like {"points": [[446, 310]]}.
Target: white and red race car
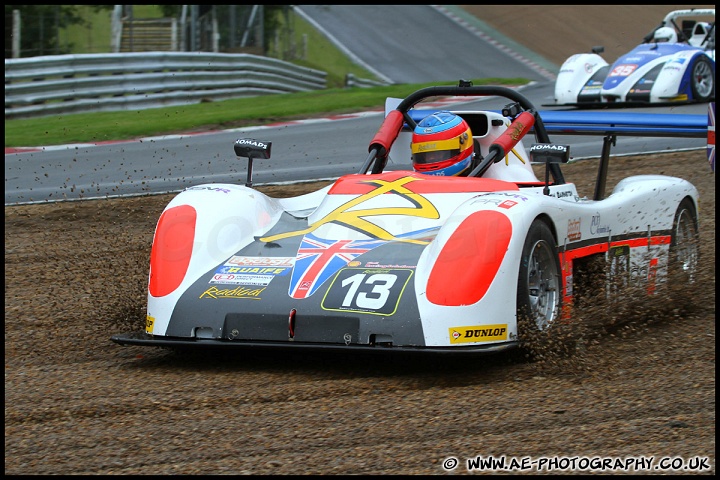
{"points": [[403, 261]]}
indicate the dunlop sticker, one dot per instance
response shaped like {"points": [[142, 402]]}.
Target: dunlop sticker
{"points": [[478, 333]]}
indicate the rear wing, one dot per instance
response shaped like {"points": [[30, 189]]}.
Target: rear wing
{"points": [[626, 124], [635, 125], [618, 123]]}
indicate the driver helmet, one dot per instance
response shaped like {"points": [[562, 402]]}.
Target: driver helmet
{"points": [[665, 34], [442, 144]]}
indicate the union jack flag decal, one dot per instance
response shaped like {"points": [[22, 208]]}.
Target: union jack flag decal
{"points": [[711, 135], [318, 259]]}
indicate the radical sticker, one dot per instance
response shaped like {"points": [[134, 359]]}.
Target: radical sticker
{"points": [[478, 333]]}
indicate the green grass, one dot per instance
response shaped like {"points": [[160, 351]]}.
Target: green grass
{"points": [[307, 47], [313, 50], [96, 127]]}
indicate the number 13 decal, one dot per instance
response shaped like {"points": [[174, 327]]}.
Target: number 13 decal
{"points": [[367, 290]]}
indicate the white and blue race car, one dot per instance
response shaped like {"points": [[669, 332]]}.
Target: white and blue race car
{"points": [[384, 260], [674, 64]]}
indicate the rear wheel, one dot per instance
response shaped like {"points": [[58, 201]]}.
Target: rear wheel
{"points": [[702, 80], [685, 243], [538, 292]]}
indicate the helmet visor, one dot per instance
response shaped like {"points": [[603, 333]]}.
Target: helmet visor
{"points": [[434, 156]]}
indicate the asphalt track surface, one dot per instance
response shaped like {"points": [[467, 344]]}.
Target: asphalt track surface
{"points": [[302, 150]]}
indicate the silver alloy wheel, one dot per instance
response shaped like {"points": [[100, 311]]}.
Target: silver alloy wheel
{"points": [[543, 284], [703, 80]]}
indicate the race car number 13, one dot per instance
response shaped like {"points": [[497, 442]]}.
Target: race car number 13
{"points": [[367, 290]]}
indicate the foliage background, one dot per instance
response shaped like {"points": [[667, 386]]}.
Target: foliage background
{"points": [[80, 29]]}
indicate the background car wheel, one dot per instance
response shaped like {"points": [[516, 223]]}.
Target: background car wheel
{"points": [[702, 80], [685, 243], [538, 292]]}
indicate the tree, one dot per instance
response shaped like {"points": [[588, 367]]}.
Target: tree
{"points": [[40, 27]]}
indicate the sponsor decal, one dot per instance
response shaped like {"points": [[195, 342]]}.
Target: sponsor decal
{"points": [[254, 143], [549, 146], [573, 232], [231, 278], [671, 67], [499, 202], [619, 256], [492, 201], [514, 196], [479, 333], [149, 323], [596, 228], [569, 286], [261, 261], [517, 130], [381, 265], [256, 270], [237, 292], [567, 193], [211, 189], [258, 276]]}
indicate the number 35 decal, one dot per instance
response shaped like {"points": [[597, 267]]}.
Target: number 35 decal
{"points": [[375, 291], [622, 70]]}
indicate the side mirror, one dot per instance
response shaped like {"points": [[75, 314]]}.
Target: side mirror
{"points": [[549, 153], [251, 148]]}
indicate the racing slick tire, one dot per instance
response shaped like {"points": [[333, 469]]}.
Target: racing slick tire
{"points": [[702, 80], [538, 290], [684, 243]]}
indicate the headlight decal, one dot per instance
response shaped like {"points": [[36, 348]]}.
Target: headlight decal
{"points": [[469, 261], [172, 249]]}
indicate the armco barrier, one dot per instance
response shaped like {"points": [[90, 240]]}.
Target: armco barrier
{"points": [[61, 84]]}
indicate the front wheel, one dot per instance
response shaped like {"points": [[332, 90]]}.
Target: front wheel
{"points": [[539, 286], [702, 80]]}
